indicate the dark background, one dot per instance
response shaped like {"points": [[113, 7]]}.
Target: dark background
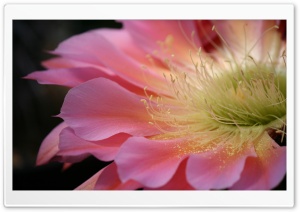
{"points": [[34, 105]]}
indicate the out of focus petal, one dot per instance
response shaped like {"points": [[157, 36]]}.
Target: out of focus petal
{"points": [[49, 147]]}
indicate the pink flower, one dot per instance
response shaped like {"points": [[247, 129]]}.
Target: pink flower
{"points": [[174, 104]]}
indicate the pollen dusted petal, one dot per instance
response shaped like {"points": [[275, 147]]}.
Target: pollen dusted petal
{"points": [[150, 162], [100, 108], [217, 169], [164, 37], [74, 149], [265, 171], [49, 146]]}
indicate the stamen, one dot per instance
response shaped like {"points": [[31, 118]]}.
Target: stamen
{"points": [[211, 106]]}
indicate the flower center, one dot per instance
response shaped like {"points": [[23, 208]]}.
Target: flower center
{"points": [[212, 103], [253, 96]]}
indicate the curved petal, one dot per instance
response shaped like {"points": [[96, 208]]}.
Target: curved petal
{"points": [[49, 147], [150, 162], [217, 169], [265, 171], [100, 108], [109, 180], [178, 181], [74, 149]]}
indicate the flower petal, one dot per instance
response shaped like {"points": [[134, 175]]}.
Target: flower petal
{"points": [[164, 38], [61, 62], [67, 77], [100, 108], [85, 48], [178, 181], [109, 180], [249, 36], [72, 77], [265, 171], [150, 162], [49, 147], [217, 169], [74, 149]]}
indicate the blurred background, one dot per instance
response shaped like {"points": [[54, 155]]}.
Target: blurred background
{"points": [[34, 105]]}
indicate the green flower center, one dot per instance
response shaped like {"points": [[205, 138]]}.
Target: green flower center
{"points": [[250, 97]]}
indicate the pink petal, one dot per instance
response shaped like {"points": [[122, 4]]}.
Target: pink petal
{"points": [[60, 62], [217, 169], [243, 35], [100, 108], [67, 77], [265, 171], [178, 181], [94, 49], [49, 147], [150, 162], [109, 180], [123, 40], [74, 149], [72, 77]]}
